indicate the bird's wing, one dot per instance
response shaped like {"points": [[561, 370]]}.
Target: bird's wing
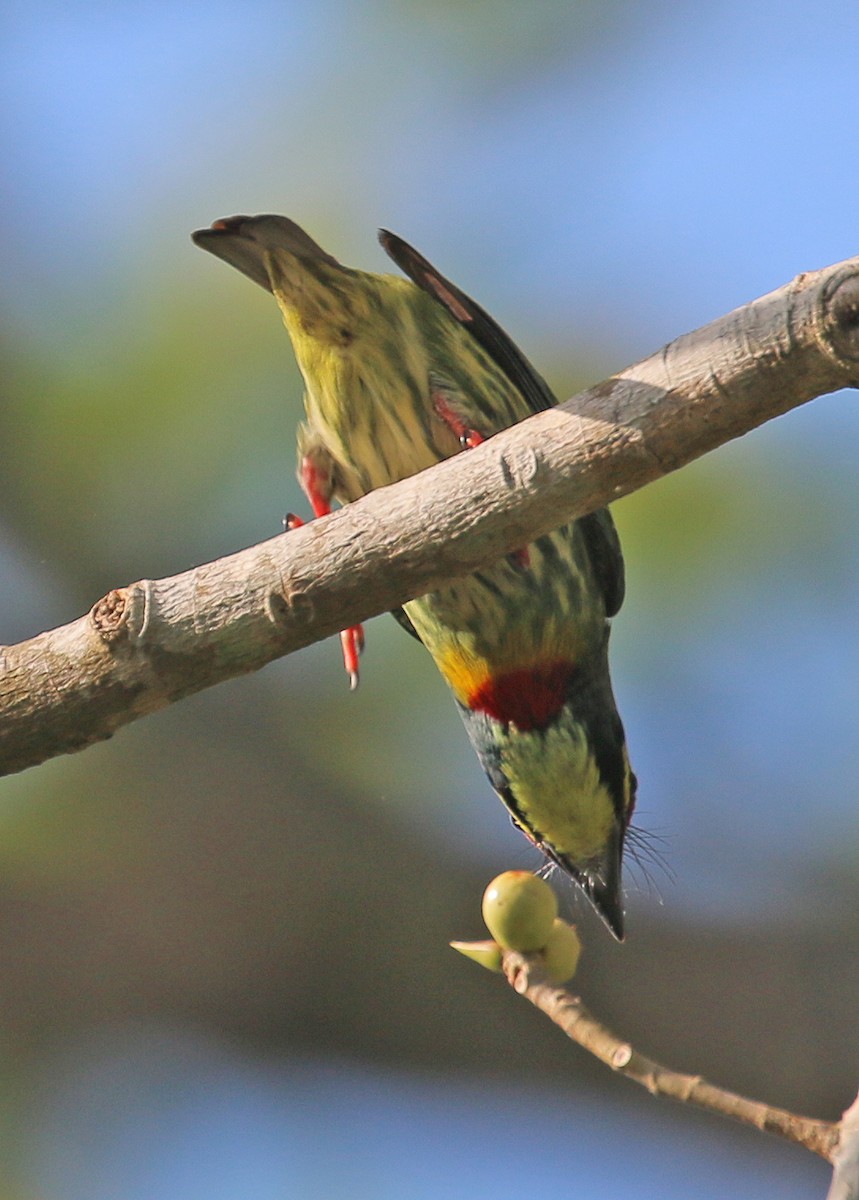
{"points": [[603, 544], [401, 617], [597, 528], [498, 345]]}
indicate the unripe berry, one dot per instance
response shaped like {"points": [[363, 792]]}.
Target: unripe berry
{"points": [[519, 909], [561, 952]]}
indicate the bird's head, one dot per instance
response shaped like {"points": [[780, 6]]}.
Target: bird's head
{"points": [[263, 248]]}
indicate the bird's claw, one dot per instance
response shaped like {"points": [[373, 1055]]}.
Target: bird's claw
{"points": [[352, 642], [351, 639], [468, 438]]}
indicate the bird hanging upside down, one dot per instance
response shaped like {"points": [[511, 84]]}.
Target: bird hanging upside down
{"points": [[399, 374]]}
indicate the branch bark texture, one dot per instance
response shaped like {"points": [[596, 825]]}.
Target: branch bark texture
{"points": [[146, 645], [570, 1014]]}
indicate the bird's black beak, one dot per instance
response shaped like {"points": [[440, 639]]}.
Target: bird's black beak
{"points": [[233, 239]]}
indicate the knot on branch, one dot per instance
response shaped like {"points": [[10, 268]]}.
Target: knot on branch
{"points": [[841, 316], [109, 615]]}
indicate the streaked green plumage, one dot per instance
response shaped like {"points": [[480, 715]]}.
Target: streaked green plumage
{"points": [[397, 371]]}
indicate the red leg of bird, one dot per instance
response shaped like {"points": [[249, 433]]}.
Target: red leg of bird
{"points": [[351, 639], [468, 439]]}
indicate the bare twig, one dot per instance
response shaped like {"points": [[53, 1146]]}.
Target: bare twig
{"points": [[151, 643], [569, 1014]]}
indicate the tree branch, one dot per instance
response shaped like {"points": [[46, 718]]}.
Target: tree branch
{"points": [[146, 645], [570, 1014]]}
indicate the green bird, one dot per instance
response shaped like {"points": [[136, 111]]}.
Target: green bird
{"points": [[400, 374]]}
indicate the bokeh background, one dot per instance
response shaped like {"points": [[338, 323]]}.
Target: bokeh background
{"points": [[223, 960]]}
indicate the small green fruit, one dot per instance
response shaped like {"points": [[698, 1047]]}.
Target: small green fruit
{"points": [[519, 909], [561, 952]]}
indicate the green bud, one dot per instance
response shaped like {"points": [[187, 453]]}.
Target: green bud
{"points": [[561, 952], [487, 954], [519, 909]]}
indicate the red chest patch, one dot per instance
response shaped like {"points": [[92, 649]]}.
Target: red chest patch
{"points": [[529, 698]]}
